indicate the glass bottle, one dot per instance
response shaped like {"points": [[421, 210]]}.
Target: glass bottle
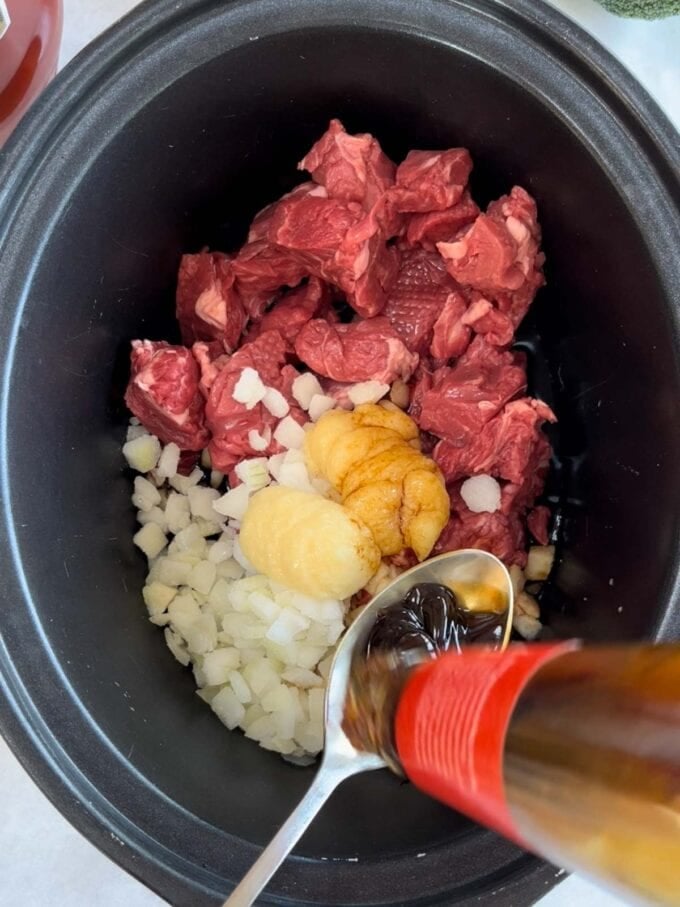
{"points": [[573, 752]]}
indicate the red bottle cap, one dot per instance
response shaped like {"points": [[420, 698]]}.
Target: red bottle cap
{"points": [[451, 724]]}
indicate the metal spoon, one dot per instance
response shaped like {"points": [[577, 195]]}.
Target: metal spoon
{"points": [[459, 569]]}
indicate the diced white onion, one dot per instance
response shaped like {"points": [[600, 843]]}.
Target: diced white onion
{"points": [[234, 503], [295, 475], [289, 434], [540, 562], [172, 572], [482, 494], [256, 648], [527, 627], [189, 540], [221, 550], [168, 462], [287, 626], [274, 464], [155, 515], [260, 441], [203, 577], [249, 388], [182, 484], [218, 665], [146, 496], [157, 597], [177, 511], [142, 453], [176, 646], [319, 405], [240, 687], [367, 392], [135, 431], [241, 559], [301, 677], [305, 387], [151, 539], [254, 473], [216, 478], [201, 500], [227, 707], [275, 402]]}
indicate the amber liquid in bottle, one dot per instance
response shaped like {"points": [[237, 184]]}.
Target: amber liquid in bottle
{"points": [[590, 763], [592, 766]]}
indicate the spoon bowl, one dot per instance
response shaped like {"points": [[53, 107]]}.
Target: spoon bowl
{"points": [[458, 570], [462, 571]]}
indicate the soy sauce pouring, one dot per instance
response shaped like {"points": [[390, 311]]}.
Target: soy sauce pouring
{"points": [[571, 751], [440, 603]]}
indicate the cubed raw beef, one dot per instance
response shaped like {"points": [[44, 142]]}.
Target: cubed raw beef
{"points": [[516, 305], [537, 524], [361, 351], [261, 270], [259, 228], [418, 296], [420, 385], [485, 257], [498, 533], [431, 180], [211, 358], [509, 446], [208, 305], [312, 227], [521, 496], [450, 334], [441, 226], [513, 448], [163, 393], [368, 266], [438, 289], [338, 242], [292, 311], [484, 318], [458, 401], [499, 253], [230, 421], [353, 168]]}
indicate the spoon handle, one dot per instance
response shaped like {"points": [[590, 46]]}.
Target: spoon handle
{"points": [[326, 780]]}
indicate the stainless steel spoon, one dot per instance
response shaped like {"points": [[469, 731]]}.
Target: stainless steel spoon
{"points": [[340, 759]]}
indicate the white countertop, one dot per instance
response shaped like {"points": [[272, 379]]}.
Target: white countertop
{"points": [[43, 860]]}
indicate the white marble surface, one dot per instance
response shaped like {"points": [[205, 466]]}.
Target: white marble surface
{"points": [[43, 860]]}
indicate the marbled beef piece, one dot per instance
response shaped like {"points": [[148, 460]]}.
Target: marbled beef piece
{"points": [[364, 350], [163, 393], [207, 303]]}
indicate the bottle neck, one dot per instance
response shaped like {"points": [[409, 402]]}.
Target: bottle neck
{"points": [[376, 687]]}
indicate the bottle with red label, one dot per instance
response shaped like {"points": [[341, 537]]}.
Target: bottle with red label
{"points": [[30, 35], [572, 752]]}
